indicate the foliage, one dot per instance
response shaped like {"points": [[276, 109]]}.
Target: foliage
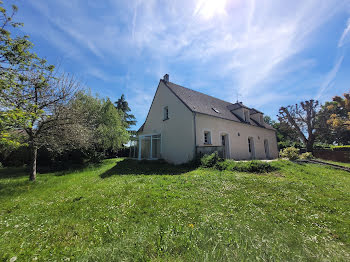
{"points": [[328, 131], [253, 166], [341, 148], [340, 118], [43, 102], [299, 213], [286, 135], [303, 119], [16, 62], [122, 105], [291, 153], [307, 156], [210, 160], [105, 129]]}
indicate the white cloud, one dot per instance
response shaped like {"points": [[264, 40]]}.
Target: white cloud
{"points": [[249, 45], [330, 76], [344, 37]]}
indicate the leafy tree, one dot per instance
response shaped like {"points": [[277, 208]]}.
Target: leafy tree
{"points": [[341, 117], [122, 104], [286, 135], [303, 119], [16, 60], [107, 130], [328, 131], [42, 106]]}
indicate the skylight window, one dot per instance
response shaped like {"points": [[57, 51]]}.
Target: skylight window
{"points": [[215, 110]]}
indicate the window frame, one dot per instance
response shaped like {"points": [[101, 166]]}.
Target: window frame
{"points": [[207, 132], [165, 113]]}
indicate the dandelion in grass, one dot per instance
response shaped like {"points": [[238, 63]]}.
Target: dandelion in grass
{"points": [[191, 225]]}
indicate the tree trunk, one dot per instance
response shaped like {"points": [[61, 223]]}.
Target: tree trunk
{"points": [[310, 145], [34, 152]]}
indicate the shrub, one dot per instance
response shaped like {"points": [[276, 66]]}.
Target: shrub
{"points": [[306, 155], [253, 166], [291, 153], [341, 148], [210, 160]]}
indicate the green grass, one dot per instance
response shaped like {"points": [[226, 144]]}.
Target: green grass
{"points": [[124, 210], [336, 163]]}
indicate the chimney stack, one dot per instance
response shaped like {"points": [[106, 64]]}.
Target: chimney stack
{"points": [[166, 78]]}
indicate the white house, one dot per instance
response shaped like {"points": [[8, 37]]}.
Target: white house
{"points": [[182, 124]]}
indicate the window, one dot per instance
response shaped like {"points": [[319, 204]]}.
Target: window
{"points": [[207, 138], [251, 147], [266, 146], [165, 113], [246, 116], [215, 110]]}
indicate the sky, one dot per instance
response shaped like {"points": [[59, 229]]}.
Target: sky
{"points": [[264, 53]]}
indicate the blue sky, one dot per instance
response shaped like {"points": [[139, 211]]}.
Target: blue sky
{"points": [[266, 53]]}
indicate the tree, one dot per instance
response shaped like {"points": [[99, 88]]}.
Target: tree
{"points": [[107, 130], [43, 102], [16, 59], [122, 104], [286, 135], [329, 132], [341, 117], [303, 119]]}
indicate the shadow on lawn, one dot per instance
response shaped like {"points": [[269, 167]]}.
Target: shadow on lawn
{"points": [[13, 172], [135, 167]]}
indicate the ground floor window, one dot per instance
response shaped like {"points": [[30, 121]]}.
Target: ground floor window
{"points": [[207, 137]]}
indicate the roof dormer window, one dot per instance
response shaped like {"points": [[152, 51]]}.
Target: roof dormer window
{"points": [[261, 119], [246, 116]]}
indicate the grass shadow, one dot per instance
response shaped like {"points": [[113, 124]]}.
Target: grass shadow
{"points": [[13, 172], [144, 167]]}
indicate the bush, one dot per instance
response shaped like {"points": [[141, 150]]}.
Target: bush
{"points": [[306, 156], [291, 153], [341, 148], [210, 160], [253, 166]]}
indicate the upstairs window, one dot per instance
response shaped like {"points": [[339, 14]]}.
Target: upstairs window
{"points": [[165, 113], [207, 138]]}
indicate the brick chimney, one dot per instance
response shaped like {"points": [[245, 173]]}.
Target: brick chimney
{"points": [[166, 78]]}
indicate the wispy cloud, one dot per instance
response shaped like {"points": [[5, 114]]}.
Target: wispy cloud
{"points": [[224, 47], [344, 36], [330, 76]]}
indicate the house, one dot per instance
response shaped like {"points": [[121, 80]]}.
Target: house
{"points": [[182, 124]]}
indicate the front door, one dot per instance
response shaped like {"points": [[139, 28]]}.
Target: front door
{"points": [[266, 146], [251, 148], [225, 144]]}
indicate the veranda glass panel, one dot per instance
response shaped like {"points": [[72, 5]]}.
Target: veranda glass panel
{"points": [[134, 150], [156, 147], [146, 147]]}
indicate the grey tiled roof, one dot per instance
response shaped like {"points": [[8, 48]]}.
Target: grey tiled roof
{"points": [[204, 104]]}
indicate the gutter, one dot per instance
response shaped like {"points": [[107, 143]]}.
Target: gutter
{"points": [[195, 135]]}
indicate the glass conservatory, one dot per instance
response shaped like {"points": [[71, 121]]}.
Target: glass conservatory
{"points": [[146, 147]]}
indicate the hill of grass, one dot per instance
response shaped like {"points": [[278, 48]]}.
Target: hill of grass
{"points": [[124, 210]]}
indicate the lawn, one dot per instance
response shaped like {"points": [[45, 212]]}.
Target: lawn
{"points": [[336, 163], [124, 210]]}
